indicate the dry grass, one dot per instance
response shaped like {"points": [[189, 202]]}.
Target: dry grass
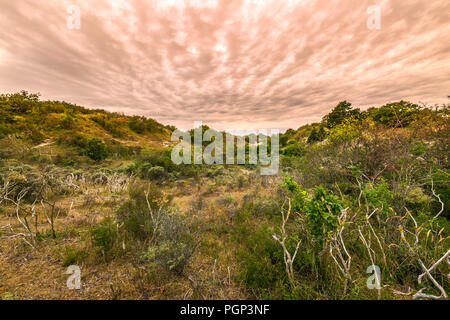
{"points": [[39, 274]]}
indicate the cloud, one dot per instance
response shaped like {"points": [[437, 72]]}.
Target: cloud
{"points": [[234, 64]]}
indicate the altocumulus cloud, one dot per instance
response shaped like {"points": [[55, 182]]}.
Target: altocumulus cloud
{"points": [[232, 63]]}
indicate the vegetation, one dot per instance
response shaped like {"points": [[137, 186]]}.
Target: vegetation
{"points": [[99, 190]]}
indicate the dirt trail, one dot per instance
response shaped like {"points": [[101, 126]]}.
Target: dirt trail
{"points": [[47, 143]]}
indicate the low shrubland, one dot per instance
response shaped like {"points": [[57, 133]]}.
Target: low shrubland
{"points": [[358, 192]]}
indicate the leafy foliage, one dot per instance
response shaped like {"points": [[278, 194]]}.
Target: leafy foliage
{"points": [[341, 112], [398, 114], [322, 213], [96, 149], [105, 235]]}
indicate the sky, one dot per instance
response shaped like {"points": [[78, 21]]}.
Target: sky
{"points": [[233, 64]]}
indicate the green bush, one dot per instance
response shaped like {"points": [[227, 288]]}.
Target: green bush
{"points": [[129, 169], [137, 124], [378, 195], [397, 114], [96, 150], [214, 172], [73, 255], [67, 121], [153, 173], [110, 123], [294, 150], [322, 213], [340, 113], [104, 237], [262, 259], [161, 158], [317, 135], [134, 212], [156, 173], [174, 245]]}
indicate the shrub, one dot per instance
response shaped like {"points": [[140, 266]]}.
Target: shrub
{"points": [[294, 150], [129, 169], [283, 140], [378, 195], [156, 173], [104, 236], [175, 244], [240, 181], [418, 148], [322, 213], [161, 158], [346, 132], [214, 172], [317, 135], [109, 123], [35, 135], [72, 255], [21, 102], [152, 173], [137, 124], [262, 258], [5, 129], [416, 198], [295, 193], [134, 212], [74, 140], [23, 178], [341, 112], [397, 114], [67, 121], [96, 150]]}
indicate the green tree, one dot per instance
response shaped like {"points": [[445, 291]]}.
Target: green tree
{"points": [[283, 139], [342, 111], [395, 114], [317, 135], [313, 137], [21, 102], [321, 135]]}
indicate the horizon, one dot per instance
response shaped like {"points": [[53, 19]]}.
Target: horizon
{"points": [[231, 64]]}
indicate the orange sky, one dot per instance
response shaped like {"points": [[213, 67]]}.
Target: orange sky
{"points": [[234, 64]]}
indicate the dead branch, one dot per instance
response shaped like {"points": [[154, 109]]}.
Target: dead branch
{"points": [[439, 199], [337, 243], [281, 239]]}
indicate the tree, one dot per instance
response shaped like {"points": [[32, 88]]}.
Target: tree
{"points": [[321, 135], [313, 137], [397, 114], [342, 111], [21, 102], [283, 139], [317, 135]]}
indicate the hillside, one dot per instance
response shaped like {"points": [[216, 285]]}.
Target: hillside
{"points": [[99, 190], [38, 122]]}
